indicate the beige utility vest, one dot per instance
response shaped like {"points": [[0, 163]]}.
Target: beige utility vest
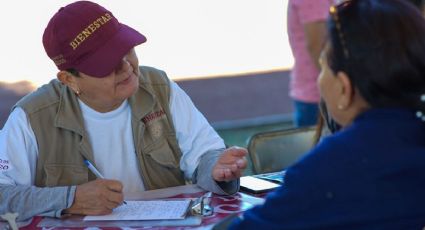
{"points": [[55, 117]]}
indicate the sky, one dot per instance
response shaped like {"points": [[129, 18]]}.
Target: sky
{"points": [[185, 38]]}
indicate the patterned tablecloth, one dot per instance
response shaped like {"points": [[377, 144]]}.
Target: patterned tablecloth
{"points": [[223, 206]]}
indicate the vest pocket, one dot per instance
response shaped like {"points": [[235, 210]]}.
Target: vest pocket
{"points": [[65, 175], [162, 154]]}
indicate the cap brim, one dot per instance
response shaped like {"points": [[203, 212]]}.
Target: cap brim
{"points": [[105, 59]]}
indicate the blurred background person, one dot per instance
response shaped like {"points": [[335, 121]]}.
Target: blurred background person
{"points": [[307, 33]]}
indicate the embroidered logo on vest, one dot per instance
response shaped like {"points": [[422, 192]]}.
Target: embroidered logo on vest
{"points": [[155, 130], [153, 116], [153, 124]]}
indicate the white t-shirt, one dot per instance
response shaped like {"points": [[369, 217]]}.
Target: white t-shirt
{"points": [[112, 142]]}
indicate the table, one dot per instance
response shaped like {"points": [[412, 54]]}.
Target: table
{"points": [[222, 205]]}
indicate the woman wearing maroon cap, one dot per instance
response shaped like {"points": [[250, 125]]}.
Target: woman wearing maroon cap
{"points": [[130, 124]]}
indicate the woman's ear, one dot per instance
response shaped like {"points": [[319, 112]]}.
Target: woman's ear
{"points": [[68, 79], [346, 94]]}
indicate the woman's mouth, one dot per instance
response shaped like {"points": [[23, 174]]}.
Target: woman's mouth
{"points": [[127, 80]]}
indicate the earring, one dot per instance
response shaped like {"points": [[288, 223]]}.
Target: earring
{"points": [[77, 92], [340, 107]]}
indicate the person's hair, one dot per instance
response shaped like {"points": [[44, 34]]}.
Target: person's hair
{"points": [[418, 3], [73, 72], [325, 124], [380, 44]]}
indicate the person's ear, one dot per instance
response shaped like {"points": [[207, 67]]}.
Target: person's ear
{"points": [[70, 80], [346, 91]]}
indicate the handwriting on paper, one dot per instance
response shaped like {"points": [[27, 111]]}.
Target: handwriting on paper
{"points": [[148, 210]]}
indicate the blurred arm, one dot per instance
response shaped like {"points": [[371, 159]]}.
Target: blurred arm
{"points": [[18, 155], [29, 201], [200, 144], [315, 35]]}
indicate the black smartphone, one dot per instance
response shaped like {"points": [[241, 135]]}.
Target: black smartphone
{"points": [[255, 185]]}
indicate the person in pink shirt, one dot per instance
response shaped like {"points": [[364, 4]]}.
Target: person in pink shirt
{"points": [[307, 33]]}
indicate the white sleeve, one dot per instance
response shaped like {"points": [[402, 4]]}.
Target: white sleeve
{"points": [[194, 134], [18, 150]]}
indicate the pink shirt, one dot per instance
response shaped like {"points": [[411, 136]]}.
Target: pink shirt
{"points": [[304, 75]]}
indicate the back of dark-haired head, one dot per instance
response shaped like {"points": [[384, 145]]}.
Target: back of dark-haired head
{"points": [[417, 3], [385, 42]]}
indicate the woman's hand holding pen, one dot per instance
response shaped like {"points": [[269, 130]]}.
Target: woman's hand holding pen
{"points": [[96, 197]]}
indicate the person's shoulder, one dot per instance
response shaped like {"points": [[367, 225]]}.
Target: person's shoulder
{"points": [[150, 69], [151, 75], [335, 147], [45, 96], [323, 163]]}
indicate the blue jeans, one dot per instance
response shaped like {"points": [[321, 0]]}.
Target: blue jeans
{"points": [[305, 113]]}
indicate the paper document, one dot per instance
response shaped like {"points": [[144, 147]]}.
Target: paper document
{"points": [[147, 210]]}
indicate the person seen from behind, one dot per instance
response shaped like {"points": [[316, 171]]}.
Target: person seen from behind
{"points": [[371, 173]]}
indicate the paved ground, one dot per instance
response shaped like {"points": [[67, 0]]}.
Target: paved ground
{"points": [[241, 97], [9, 95], [240, 106]]}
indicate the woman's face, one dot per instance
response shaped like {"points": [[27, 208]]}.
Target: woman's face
{"points": [[107, 93]]}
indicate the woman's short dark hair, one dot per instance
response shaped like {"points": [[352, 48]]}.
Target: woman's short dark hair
{"points": [[417, 3], [73, 72], [385, 43]]}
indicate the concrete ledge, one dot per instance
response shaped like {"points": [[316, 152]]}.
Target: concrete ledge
{"points": [[252, 122]]}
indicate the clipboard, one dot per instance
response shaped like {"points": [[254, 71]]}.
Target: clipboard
{"points": [[167, 209], [201, 206]]}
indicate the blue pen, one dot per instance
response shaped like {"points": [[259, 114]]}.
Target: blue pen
{"points": [[95, 171]]}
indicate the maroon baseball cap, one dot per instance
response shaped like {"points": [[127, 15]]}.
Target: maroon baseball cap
{"points": [[85, 36]]}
